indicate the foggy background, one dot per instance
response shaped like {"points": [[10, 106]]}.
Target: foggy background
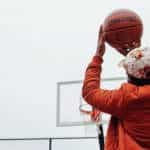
{"points": [[43, 42]]}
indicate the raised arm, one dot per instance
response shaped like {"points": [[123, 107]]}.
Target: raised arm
{"points": [[109, 101]]}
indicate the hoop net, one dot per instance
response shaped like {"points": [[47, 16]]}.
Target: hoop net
{"points": [[90, 127]]}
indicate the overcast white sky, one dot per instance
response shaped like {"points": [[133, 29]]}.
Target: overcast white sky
{"points": [[43, 42]]}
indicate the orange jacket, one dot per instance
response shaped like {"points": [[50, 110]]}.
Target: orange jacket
{"points": [[129, 106]]}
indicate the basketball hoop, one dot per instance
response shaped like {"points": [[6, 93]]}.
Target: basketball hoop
{"points": [[86, 110]]}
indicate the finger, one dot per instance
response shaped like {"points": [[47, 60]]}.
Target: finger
{"points": [[100, 31], [136, 44], [103, 37]]}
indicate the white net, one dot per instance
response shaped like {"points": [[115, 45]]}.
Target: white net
{"points": [[90, 127]]}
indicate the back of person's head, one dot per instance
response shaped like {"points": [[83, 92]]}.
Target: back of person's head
{"points": [[137, 66]]}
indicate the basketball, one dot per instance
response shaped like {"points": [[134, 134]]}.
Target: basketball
{"points": [[122, 28]]}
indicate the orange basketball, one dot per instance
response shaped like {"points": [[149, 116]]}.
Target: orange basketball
{"points": [[122, 27]]}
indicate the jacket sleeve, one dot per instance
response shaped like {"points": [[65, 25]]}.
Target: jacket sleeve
{"points": [[108, 101]]}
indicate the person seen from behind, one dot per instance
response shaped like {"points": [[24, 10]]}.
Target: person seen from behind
{"points": [[129, 106]]}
